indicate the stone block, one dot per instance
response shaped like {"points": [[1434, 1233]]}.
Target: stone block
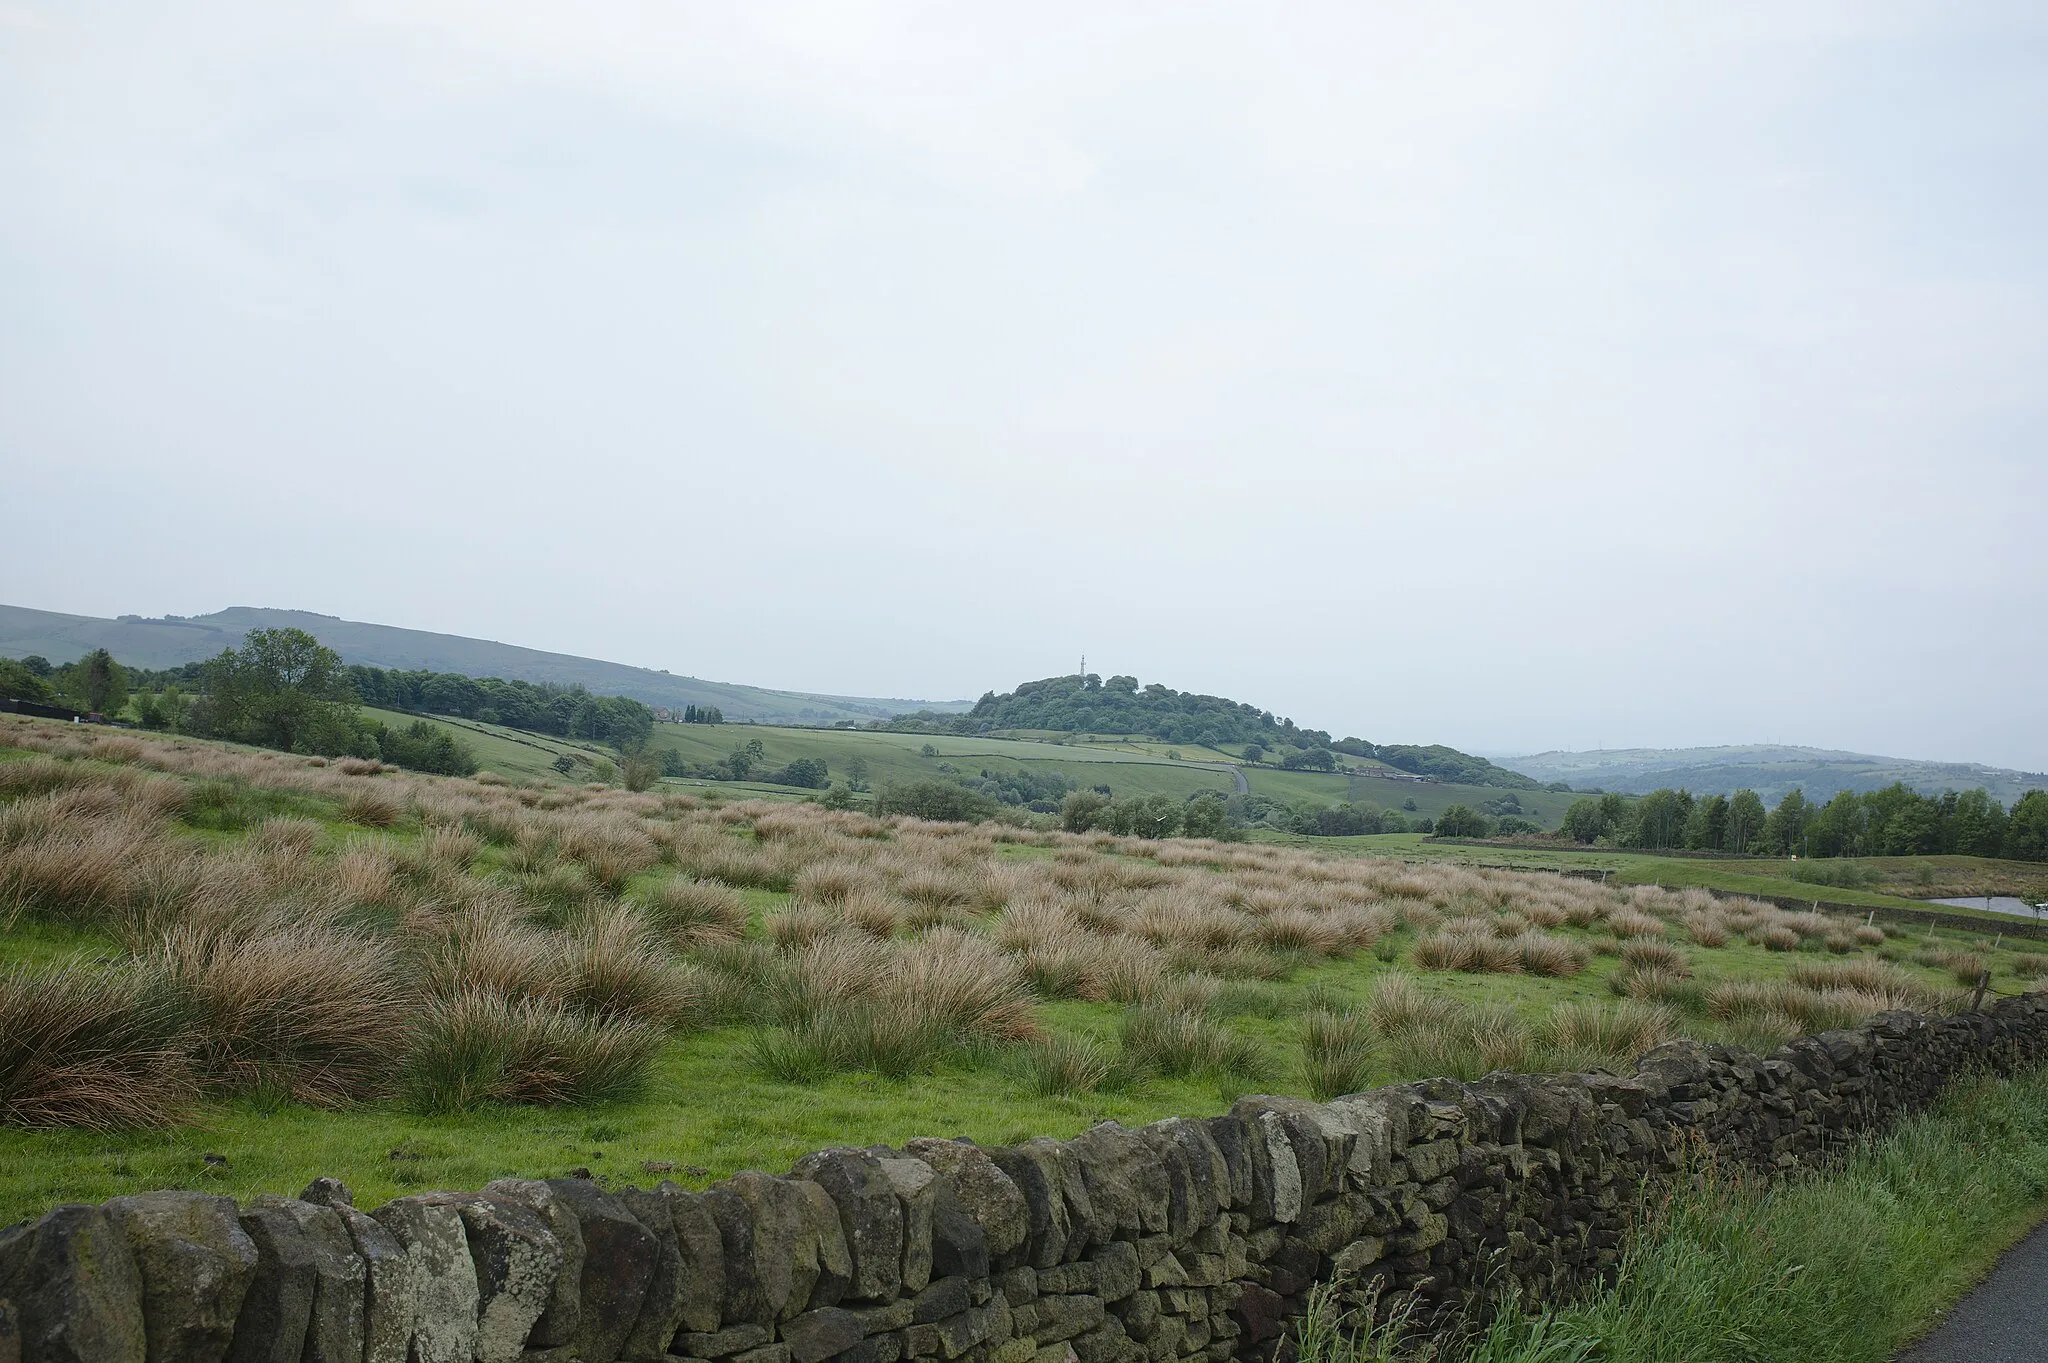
{"points": [[72, 1289], [334, 1329], [444, 1278], [987, 1193], [726, 1343], [817, 1335], [278, 1307], [702, 1258], [946, 1297], [195, 1262], [870, 1218]]}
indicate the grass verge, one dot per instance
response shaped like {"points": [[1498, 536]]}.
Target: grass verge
{"points": [[1842, 1266]]}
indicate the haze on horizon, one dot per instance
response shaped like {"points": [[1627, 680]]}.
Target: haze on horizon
{"points": [[1513, 377]]}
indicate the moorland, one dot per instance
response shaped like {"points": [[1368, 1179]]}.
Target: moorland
{"points": [[238, 968]]}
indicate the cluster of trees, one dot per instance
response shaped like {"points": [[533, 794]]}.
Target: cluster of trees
{"points": [[1039, 791], [703, 714], [543, 707], [1118, 705], [284, 689], [95, 684], [1458, 768], [1089, 704], [1462, 821], [935, 799], [1147, 816], [1896, 821], [748, 761]]}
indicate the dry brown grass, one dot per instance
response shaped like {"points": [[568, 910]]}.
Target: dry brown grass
{"points": [[694, 912], [371, 807], [94, 1048], [946, 941], [1586, 1035], [296, 1010], [1644, 954], [1631, 923]]}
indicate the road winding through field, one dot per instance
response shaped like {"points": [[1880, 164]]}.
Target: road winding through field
{"points": [[1244, 787], [2004, 1321]]}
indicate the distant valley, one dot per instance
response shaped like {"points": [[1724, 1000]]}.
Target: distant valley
{"points": [[1769, 769]]}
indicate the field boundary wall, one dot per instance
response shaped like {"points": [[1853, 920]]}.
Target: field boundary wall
{"points": [[1185, 1240]]}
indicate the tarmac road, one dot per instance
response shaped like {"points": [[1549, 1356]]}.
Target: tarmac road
{"points": [[2004, 1321]]}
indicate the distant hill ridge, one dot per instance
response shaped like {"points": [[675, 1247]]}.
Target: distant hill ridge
{"points": [[174, 640], [1770, 769]]}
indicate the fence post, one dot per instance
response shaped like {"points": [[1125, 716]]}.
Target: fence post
{"points": [[1983, 983]]}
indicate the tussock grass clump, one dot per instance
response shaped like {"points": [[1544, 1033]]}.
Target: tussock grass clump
{"points": [[1336, 1053], [1399, 1005], [1643, 953], [297, 1010], [94, 1048], [370, 807], [1587, 1035], [614, 968], [1628, 923], [1061, 1066], [1476, 952], [1707, 928], [1876, 977], [1654, 983], [694, 912], [476, 1049], [1476, 1042], [1775, 937], [848, 1001], [1180, 1045], [1540, 953]]}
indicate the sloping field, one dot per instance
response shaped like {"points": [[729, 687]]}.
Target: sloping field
{"points": [[238, 969]]}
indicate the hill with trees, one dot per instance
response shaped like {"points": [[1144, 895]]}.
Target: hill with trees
{"points": [[172, 641], [1078, 704]]}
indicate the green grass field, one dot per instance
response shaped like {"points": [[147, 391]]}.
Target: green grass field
{"points": [[710, 1107], [894, 758], [710, 1112], [1745, 877]]}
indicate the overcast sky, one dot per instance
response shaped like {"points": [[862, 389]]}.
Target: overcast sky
{"points": [[1514, 377]]}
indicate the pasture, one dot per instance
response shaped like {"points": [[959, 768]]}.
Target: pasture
{"points": [[235, 969]]}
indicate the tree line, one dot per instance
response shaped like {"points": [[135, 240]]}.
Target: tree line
{"points": [[541, 707], [1896, 821]]}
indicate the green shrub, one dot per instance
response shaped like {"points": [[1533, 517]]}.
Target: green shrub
{"points": [[1181, 1044], [1058, 1066], [479, 1048], [1336, 1053]]}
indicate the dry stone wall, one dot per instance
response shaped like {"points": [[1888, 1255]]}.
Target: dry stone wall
{"points": [[1188, 1239]]}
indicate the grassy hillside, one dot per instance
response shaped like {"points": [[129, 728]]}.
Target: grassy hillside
{"points": [[1431, 797], [1770, 770], [1127, 768], [332, 932], [168, 642], [895, 758]]}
